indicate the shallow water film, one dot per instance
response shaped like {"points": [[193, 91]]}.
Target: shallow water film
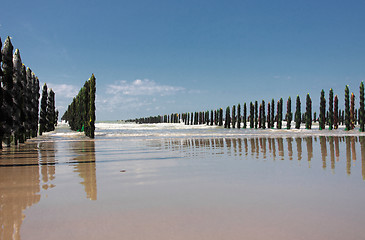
{"points": [[149, 182]]}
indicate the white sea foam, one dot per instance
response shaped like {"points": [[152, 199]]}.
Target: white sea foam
{"points": [[180, 130]]}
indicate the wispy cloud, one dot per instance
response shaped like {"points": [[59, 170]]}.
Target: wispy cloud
{"points": [[64, 90], [142, 87]]}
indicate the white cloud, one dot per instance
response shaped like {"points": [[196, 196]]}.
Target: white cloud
{"points": [[142, 87], [64, 90]]}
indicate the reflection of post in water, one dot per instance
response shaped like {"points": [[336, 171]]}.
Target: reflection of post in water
{"points": [[263, 147], [252, 143], [322, 141], [309, 141], [234, 143], [290, 148], [337, 148], [298, 140], [47, 159], [229, 146], [257, 147], [86, 167], [353, 149], [273, 148], [332, 153], [19, 188], [281, 148], [348, 156], [362, 145]]}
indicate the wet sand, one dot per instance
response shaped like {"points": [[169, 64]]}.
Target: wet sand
{"points": [[70, 187]]}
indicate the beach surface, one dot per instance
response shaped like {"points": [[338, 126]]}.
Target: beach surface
{"points": [[170, 181]]}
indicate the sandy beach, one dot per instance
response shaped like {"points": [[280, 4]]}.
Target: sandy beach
{"points": [[200, 186]]}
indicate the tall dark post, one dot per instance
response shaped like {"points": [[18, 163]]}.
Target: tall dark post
{"points": [[211, 117], [335, 113], [362, 108], [308, 113], [17, 95], [322, 112], [352, 112], [280, 113], [289, 114], [298, 114], [252, 112], [272, 114], [268, 116], [7, 83], [239, 116], [227, 123], [263, 117], [234, 116], [256, 114], [330, 110], [220, 117], [260, 114], [43, 113], [244, 117]]}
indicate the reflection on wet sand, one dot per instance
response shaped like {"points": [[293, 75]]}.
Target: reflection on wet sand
{"points": [[284, 148], [86, 167], [27, 168], [19, 187]]}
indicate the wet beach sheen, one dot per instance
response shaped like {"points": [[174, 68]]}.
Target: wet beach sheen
{"points": [[139, 182]]}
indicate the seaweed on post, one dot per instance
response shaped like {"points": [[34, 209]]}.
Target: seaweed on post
{"points": [[362, 108], [322, 112], [239, 116], [272, 114], [252, 112], [263, 117], [256, 114], [352, 111], [347, 108], [308, 113], [244, 117], [298, 114], [330, 110], [7, 82], [289, 114], [43, 112], [234, 116], [336, 113]]}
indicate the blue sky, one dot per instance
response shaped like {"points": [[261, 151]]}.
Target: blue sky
{"points": [[158, 57]]}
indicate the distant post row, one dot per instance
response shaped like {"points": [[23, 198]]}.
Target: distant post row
{"points": [[331, 117], [19, 100], [80, 114]]}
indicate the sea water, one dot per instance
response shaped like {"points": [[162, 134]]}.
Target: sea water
{"points": [[172, 181]]}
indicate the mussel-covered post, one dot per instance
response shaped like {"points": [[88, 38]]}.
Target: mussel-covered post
{"points": [[7, 82], [244, 118], [347, 108], [352, 111], [256, 114], [362, 108], [239, 116], [268, 115], [289, 114], [272, 113], [308, 113], [234, 116], [335, 113], [330, 110], [322, 111], [43, 113], [252, 112], [298, 114], [263, 117]]}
